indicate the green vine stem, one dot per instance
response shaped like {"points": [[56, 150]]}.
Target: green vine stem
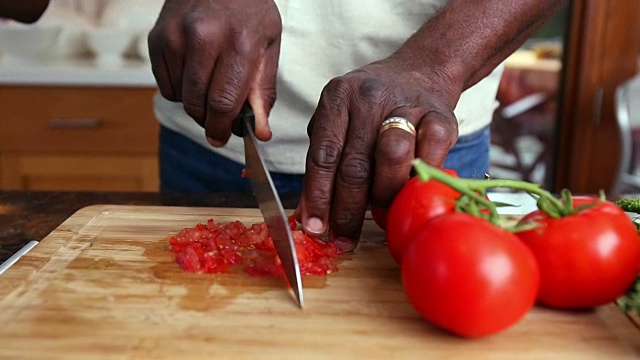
{"points": [[474, 190]]}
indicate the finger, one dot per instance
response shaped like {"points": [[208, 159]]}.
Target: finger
{"points": [[202, 53], [395, 151], [230, 83], [262, 93], [327, 132], [159, 65], [173, 50], [353, 180], [437, 133]]}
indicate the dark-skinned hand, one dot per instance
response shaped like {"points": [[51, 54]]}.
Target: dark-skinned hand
{"points": [[349, 164], [214, 55]]}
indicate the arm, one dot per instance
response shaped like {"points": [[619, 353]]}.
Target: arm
{"points": [[26, 11], [349, 164], [480, 35]]}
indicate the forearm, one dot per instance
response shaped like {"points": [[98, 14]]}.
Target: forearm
{"points": [[468, 39], [27, 11]]}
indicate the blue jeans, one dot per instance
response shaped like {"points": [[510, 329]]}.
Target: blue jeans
{"points": [[187, 167]]}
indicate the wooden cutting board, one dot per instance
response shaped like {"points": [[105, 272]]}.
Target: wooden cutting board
{"points": [[104, 285]]}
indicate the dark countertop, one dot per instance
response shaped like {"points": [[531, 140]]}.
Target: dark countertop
{"points": [[32, 215]]}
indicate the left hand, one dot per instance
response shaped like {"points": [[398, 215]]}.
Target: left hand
{"points": [[27, 12], [350, 165]]}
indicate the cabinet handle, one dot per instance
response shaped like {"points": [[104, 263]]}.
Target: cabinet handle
{"points": [[75, 123]]}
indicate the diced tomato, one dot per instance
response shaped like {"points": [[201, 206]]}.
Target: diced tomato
{"points": [[188, 260], [215, 248]]}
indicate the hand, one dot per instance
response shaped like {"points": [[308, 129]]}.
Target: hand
{"points": [[214, 55], [349, 164], [26, 12]]}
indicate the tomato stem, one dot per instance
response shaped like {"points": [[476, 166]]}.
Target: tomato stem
{"points": [[474, 189]]}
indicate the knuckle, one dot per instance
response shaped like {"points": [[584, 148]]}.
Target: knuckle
{"points": [[153, 40], [355, 171], [171, 43], [346, 220], [201, 31], [319, 198], [163, 40], [439, 130], [192, 22], [246, 42], [224, 104], [372, 90], [199, 38], [336, 93], [325, 156], [194, 107], [397, 152]]}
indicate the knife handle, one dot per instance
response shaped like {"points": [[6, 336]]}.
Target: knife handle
{"points": [[237, 127]]}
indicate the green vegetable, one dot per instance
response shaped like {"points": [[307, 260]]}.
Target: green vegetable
{"points": [[629, 205], [630, 302]]}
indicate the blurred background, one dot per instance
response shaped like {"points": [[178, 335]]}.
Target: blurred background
{"points": [[76, 88]]}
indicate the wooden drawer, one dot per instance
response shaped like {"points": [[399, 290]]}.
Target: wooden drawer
{"points": [[29, 171], [67, 119]]}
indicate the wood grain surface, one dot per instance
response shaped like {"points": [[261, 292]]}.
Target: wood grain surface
{"points": [[104, 285]]}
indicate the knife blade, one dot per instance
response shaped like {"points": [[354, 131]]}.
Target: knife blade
{"points": [[19, 254], [268, 200]]}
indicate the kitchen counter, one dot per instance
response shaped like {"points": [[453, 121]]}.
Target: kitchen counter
{"points": [[32, 215], [77, 72]]}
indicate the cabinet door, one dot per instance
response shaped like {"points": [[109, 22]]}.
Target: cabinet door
{"points": [[38, 171]]}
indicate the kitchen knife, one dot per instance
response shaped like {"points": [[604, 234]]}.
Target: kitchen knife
{"points": [[268, 200], [15, 257]]}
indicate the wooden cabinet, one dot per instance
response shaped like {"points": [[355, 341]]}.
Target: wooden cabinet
{"points": [[78, 138], [602, 52]]}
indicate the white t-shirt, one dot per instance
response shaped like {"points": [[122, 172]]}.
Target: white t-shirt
{"points": [[323, 39]]}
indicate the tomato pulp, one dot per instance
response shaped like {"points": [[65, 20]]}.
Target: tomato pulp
{"points": [[587, 259], [215, 248]]}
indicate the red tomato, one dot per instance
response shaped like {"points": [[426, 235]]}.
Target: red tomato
{"points": [[380, 216], [417, 202], [469, 277], [587, 259]]}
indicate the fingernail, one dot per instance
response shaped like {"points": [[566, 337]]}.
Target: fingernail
{"points": [[214, 142], [314, 225], [344, 244]]}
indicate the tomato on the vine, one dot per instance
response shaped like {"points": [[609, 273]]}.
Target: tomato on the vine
{"points": [[586, 259], [417, 202], [468, 276]]}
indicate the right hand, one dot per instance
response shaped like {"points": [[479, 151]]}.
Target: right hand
{"points": [[212, 55]]}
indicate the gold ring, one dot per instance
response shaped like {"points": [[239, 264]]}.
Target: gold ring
{"points": [[397, 122]]}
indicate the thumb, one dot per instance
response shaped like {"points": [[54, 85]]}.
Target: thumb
{"points": [[262, 93]]}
